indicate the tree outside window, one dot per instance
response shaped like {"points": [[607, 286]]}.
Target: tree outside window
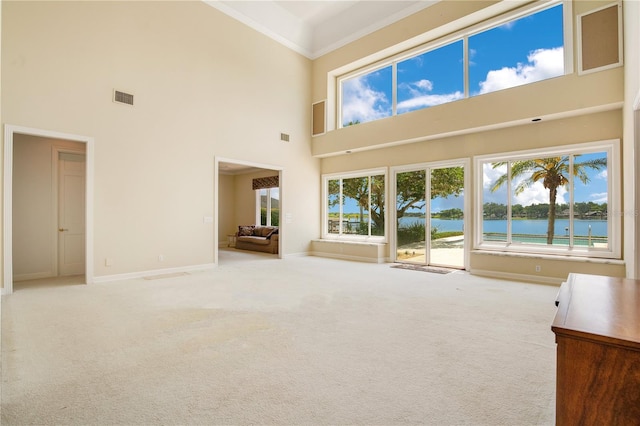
{"points": [[355, 206], [559, 201]]}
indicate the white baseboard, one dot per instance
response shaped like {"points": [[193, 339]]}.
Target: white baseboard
{"points": [[348, 257], [298, 254], [34, 276], [518, 277], [151, 273]]}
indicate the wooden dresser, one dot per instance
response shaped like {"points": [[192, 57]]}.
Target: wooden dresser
{"points": [[597, 330]]}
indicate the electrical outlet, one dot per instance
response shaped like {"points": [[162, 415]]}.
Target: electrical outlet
{"points": [[538, 269], [108, 261], [161, 258]]}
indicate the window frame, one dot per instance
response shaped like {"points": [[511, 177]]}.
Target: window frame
{"points": [[259, 206], [465, 163], [611, 147], [325, 210], [463, 34]]}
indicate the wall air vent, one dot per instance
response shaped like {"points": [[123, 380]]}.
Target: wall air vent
{"points": [[284, 137], [122, 97]]}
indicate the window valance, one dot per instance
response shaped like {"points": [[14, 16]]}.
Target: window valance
{"points": [[266, 182]]}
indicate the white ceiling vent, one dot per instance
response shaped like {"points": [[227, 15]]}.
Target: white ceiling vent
{"points": [[122, 97]]}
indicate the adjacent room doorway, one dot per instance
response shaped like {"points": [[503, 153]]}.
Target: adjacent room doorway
{"points": [[238, 202], [48, 193]]}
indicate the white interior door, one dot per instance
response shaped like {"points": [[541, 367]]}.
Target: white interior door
{"points": [[71, 213]]}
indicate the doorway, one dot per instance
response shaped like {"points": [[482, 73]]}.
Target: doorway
{"points": [[48, 181], [237, 202], [430, 220]]}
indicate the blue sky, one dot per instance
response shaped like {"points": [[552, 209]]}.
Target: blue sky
{"points": [[595, 190], [522, 51]]}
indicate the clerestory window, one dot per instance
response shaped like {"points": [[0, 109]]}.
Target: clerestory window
{"points": [[519, 48], [559, 201]]}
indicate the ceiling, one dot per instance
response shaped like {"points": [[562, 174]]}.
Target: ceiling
{"points": [[227, 168], [316, 27]]}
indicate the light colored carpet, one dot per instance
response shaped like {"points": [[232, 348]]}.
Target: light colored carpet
{"points": [[304, 341]]}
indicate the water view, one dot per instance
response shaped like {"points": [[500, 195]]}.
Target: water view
{"points": [[520, 226]]}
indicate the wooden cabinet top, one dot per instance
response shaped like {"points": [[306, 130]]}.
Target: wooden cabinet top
{"points": [[600, 308]]}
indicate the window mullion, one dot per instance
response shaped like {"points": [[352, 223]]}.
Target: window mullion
{"points": [[258, 211], [340, 210], [571, 202], [369, 208], [465, 61], [427, 215], [394, 88], [509, 197]]}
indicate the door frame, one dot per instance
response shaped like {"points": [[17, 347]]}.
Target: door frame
{"points": [[458, 162], [216, 174], [7, 226]]}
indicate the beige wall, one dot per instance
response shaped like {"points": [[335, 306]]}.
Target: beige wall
{"points": [[631, 121], [246, 196], [547, 99], [586, 128], [375, 45], [574, 109], [238, 192], [557, 97], [226, 207], [204, 85], [594, 127], [34, 206]]}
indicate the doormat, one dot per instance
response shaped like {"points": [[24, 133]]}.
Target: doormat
{"points": [[162, 276], [423, 268]]}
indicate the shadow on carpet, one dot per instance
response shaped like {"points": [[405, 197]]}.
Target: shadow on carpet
{"points": [[423, 268]]}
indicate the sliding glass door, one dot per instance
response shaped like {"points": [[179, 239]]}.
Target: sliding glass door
{"points": [[430, 215]]}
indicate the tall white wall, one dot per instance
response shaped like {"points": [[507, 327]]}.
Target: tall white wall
{"points": [[227, 207], [204, 85]]}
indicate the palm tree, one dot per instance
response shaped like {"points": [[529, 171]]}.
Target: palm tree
{"points": [[553, 172]]}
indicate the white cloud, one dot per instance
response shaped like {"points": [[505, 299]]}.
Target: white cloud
{"points": [[428, 100], [361, 102], [420, 97], [426, 85], [533, 194], [538, 194], [508, 25], [542, 64], [490, 175], [472, 54], [599, 197], [602, 175]]}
